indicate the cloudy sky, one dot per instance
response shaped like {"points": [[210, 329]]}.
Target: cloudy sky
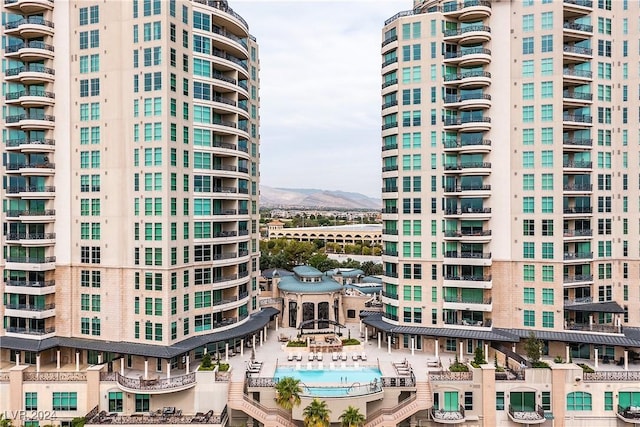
{"points": [[320, 90]]}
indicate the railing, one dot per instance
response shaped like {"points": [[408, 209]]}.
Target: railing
{"points": [[583, 300], [449, 99], [389, 147], [389, 40], [467, 210], [270, 301], [390, 168], [409, 381], [223, 6], [454, 121], [626, 412], [31, 236], [389, 189], [577, 278], [467, 51], [577, 49], [390, 253], [389, 62], [578, 210], [448, 415], [389, 210], [219, 76], [41, 165], [29, 307], [17, 213], [54, 376], [30, 283], [19, 117], [30, 68], [462, 188], [229, 35], [584, 3], [33, 331], [390, 231], [584, 164], [224, 55], [450, 376], [389, 104], [577, 187], [108, 376], [464, 233], [474, 255], [393, 410], [30, 92], [469, 278], [32, 260], [467, 323], [467, 165], [577, 255], [593, 327], [391, 295], [390, 316], [225, 322], [466, 75], [454, 7], [526, 413], [577, 95], [576, 26], [399, 15], [458, 299], [510, 375], [34, 44], [579, 118], [389, 83], [468, 29], [577, 233], [389, 125], [467, 143], [585, 142], [568, 71], [156, 384]]}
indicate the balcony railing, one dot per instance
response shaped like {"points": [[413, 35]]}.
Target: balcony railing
{"points": [[27, 141], [577, 95], [389, 62], [30, 283], [389, 40], [594, 327], [580, 118], [454, 121], [41, 165], [569, 25], [35, 20], [466, 75], [29, 307], [450, 376], [391, 295], [569, 71], [34, 44], [467, 143], [577, 278], [470, 28], [389, 147], [156, 384], [577, 255], [30, 68], [390, 231], [54, 376], [585, 142], [578, 210], [578, 301], [390, 316], [467, 165], [31, 236], [453, 7], [568, 48], [467, 210], [612, 376], [389, 83], [584, 3], [577, 233], [449, 99], [579, 164], [461, 188], [469, 278], [577, 187], [525, 414], [470, 255], [459, 299], [31, 260], [18, 213], [391, 210], [468, 51], [19, 117], [31, 331], [31, 189], [467, 233]]}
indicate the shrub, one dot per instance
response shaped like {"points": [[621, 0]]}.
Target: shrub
{"points": [[456, 366], [558, 359], [297, 344], [586, 368], [539, 364], [223, 367], [350, 341], [206, 361]]}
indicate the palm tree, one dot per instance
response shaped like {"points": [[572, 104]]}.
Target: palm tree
{"points": [[317, 414], [288, 392], [351, 417]]}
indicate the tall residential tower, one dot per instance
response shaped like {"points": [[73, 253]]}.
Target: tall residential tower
{"points": [[510, 175]]}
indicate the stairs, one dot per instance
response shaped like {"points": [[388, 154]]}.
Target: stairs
{"points": [[275, 417], [391, 417]]}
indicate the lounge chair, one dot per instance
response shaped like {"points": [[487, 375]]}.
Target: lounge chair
{"points": [[334, 356], [311, 356], [290, 357], [319, 357], [355, 357], [299, 357], [363, 356], [343, 357]]}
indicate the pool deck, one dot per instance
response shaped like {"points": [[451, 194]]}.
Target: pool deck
{"points": [[272, 354]]}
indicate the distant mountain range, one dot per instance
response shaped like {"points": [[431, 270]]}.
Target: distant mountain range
{"points": [[313, 198]]}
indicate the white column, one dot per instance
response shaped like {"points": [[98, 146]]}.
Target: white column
{"points": [[254, 341], [100, 359], [226, 352], [360, 326], [265, 333], [17, 358], [168, 368], [187, 360], [595, 355], [461, 351], [389, 345], [146, 368], [513, 347], [57, 359], [437, 347], [590, 322], [626, 360], [567, 353], [77, 361], [242, 347], [486, 352], [366, 334], [379, 339], [122, 366], [261, 338], [38, 362], [204, 350], [276, 323], [413, 346]]}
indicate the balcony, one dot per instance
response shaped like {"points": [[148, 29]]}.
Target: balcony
{"points": [[469, 79], [31, 239], [471, 56], [470, 190], [31, 98], [576, 76], [577, 7], [29, 6], [389, 104], [390, 168], [389, 147], [390, 125], [390, 210], [31, 169], [629, 414], [30, 311], [26, 145], [469, 34], [468, 235], [576, 54], [468, 258], [578, 210], [32, 192], [27, 121], [156, 386], [459, 303], [468, 124], [473, 282], [572, 99], [574, 31], [470, 168], [27, 216], [468, 101], [38, 332], [389, 40], [577, 256], [581, 165], [389, 61], [473, 146], [576, 234], [475, 213], [30, 27], [30, 51], [389, 83], [442, 416], [469, 10], [576, 121], [577, 144], [390, 189], [30, 287], [577, 280], [527, 415], [465, 323], [592, 327], [577, 188]]}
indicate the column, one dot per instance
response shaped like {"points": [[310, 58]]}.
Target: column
{"points": [[366, 334], [253, 338], [590, 322], [626, 360], [187, 361], [242, 347], [461, 352], [486, 352], [379, 339], [100, 359], [437, 347], [38, 362], [261, 338], [595, 356], [389, 344], [57, 359], [77, 361], [168, 368], [360, 326], [276, 323], [17, 358], [567, 353], [226, 352], [413, 346], [146, 368], [265, 333], [122, 366]]}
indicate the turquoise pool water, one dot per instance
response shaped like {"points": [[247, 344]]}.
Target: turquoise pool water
{"points": [[347, 376]]}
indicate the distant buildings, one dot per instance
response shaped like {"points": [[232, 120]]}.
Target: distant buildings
{"points": [[353, 234]]}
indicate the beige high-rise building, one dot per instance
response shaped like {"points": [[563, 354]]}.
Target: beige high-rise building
{"points": [[129, 181], [510, 177]]}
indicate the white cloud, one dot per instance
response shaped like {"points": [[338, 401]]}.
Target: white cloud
{"points": [[320, 90]]}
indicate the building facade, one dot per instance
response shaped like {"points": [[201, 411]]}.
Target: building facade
{"points": [[509, 185], [130, 181]]}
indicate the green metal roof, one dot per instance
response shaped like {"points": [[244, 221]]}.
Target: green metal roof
{"points": [[306, 271], [292, 284]]}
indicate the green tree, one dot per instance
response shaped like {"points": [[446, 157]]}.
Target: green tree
{"points": [[533, 348], [5, 422], [370, 268], [322, 262], [317, 414], [351, 417], [288, 392]]}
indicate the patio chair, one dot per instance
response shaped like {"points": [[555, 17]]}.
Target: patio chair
{"points": [[334, 356], [343, 357], [290, 357], [363, 356], [299, 357], [319, 357], [311, 356], [355, 357]]}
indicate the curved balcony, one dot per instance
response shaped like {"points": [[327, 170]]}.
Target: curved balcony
{"points": [[233, 44], [30, 74], [577, 144], [468, 236], [389, 62], [470, 34], [29, 6], [31, 239], [469, 101], [31, 169], [573, 189], [574, 31], [468, 56], [30, 27], [26, 145], [576, 54], [469, 168], [232, 280], [41, 333], [629, 415], [32, 192], [469, 10], [576, 121], [31, 98], [473, 146], [27, 287], [468, 258], [34, 216], [156, 386], [577, 7], [28, 121], [577, 281], [469, 124], [577, 256], [576, 99], [442, 416], [469, 79], [474, 282], [469, 190], [30, 51], [31, 263], [30, 311], [469, 213], [527, 415], [389, 43], [571, 75], [389, 104], [460, 303]]}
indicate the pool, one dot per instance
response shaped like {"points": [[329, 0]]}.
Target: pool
{"points": [[342, 382]]}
